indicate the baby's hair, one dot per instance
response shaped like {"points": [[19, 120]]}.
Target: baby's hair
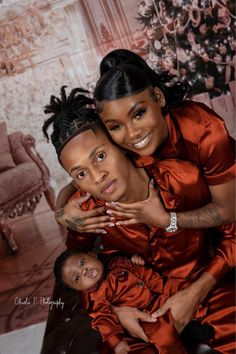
{"points": [[59, 263], [70, 115]]}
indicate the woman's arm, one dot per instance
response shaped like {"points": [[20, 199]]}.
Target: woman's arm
{"points": [[65, 194], [184, 304], [152, 212], [220, 211]]}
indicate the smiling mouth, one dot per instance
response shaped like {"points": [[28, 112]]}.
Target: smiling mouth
{"points": [[109, 187], [142, 143]]}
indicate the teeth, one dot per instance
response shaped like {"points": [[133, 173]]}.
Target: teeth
{"points": [[142, 143]]}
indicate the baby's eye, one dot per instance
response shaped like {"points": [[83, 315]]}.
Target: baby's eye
{"points": [[139, 113], [77, 277], [81, 174], [82, 262], [101, 156], [115, 127]]}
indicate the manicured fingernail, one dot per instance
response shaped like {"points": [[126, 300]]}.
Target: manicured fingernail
{"points": [[103, 232], [113, 203], [111, 224], [112, 218], [118, 223], [109, 212]]}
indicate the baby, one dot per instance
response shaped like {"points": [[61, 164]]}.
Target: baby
{"points": [[125, 282]]}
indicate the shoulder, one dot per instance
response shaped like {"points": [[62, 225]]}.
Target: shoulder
{"points": [[195, 112], [194, 118]]}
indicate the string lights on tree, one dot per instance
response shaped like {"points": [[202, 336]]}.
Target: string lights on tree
{"points": [[191, 39]]}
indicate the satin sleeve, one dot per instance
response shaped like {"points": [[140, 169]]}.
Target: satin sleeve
{"points": [[224, 257], [216, 153], [104, 320]]}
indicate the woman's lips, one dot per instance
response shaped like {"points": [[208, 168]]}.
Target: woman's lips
{"points": [[110, 187], [143, 142]]}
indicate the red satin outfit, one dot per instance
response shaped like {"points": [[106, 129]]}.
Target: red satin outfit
{"points": [[124, 284], [179, 255], [199, 135]]}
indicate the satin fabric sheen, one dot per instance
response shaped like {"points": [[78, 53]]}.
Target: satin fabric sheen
{"points": [[199, 135], [180, 255]]}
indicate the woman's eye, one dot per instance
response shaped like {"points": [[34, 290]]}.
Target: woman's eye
{"points": [[82, 262], [81, 174], [139, 113], [101, 156], [115, 127]]}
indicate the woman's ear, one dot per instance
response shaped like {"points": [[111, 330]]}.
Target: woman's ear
{"points": [[160, 96]]}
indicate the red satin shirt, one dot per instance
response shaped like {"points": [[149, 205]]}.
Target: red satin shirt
{"points": [[199, 135], [124, 284], [181, 254]]}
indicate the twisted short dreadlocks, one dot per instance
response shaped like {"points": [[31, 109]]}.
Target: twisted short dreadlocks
{"points": [[70, 116]]}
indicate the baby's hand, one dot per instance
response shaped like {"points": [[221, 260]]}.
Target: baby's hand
{"points": [[137, 260], [122, 348]]}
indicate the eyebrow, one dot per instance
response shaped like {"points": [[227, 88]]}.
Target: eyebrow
{"points": [[93, 152], [133, 107]]}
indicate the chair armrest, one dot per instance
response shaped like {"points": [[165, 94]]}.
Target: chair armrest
{"points": [[18, 151], [23, 150]]}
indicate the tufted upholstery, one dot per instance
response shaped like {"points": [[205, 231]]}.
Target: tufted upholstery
{"points": [[22, 181], [68, 329]]}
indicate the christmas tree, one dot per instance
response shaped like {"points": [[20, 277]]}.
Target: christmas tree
{"points": [[193, 40]]}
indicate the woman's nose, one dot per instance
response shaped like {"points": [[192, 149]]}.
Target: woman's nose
{"points": [[133, 132], [99, 176]]}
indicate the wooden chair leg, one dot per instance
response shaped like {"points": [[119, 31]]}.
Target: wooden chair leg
{"points": [[7, 234], [51, 198]]}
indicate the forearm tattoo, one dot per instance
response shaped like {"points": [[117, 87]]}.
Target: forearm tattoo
{"points": [[207, 216], [74, 224], [71, 225], [78, 221]]}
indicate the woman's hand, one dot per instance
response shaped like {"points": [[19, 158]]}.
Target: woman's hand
{"points": [[92, 221], [184, 304], [149, 211], [122, 347], [129, 318]]}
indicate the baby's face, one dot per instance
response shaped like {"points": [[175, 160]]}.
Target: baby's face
{"points": [[82, 271]]}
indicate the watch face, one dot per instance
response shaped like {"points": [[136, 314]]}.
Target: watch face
{"points": [[171, 228]]}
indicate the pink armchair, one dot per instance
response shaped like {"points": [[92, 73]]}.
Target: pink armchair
{"points": [[23, 178]]}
